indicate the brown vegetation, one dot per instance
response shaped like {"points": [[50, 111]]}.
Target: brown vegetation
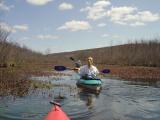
{"points": [[13, 82], [135, 73], [18, 63], [133, 54], [130, 61]]}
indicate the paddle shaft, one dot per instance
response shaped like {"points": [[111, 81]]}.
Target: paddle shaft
{"points": [[63, 68]]}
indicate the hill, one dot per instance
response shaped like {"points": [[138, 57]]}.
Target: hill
{"points": [[133, 54]]}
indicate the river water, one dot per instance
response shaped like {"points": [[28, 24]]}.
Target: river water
{"points": [[118, 100]]}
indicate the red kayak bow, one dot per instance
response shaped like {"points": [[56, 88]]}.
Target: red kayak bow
{"points": [[56, 113]]}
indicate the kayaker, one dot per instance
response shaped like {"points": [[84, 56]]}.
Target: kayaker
{"points": [[88, 71]]}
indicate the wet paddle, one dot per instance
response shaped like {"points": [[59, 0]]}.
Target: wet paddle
{"points": [[78, 63], [63, 68]]}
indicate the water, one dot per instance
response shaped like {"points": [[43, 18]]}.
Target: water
{"points": [[118, 100]]}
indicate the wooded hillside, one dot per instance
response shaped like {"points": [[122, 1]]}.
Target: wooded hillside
{"points": [[133, 54]]}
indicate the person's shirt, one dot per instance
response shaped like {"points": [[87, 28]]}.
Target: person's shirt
{"points": [[91, 72]]}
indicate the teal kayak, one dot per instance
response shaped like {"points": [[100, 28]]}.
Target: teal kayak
{"points": [[90, 85], [90, 82]]}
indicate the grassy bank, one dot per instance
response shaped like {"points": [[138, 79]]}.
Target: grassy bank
{"points": [[13, 82], [134, 72], [16, 82], [18, 63]]}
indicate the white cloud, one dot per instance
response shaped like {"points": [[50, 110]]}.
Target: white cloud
{"points": [[5, 7], [137, 24], [47, 37], [23, 27], [101, 25], [21, 40], [75, 25], [117, 14], [6, 28], [39, 2], [123, 15], [147, 16], [97, 10], [65, 6], [13, 29], [105, 35], [24, 38], [131, 16], [117, 36]]}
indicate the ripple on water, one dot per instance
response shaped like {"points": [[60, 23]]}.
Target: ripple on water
{"points": [[118, 100]]}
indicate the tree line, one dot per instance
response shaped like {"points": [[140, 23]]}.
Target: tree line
{"points": [[142, 53], [12, 54]]}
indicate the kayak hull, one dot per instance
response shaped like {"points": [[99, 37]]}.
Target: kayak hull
{"points": [[90, 85], [90, 82], [56, 114]]}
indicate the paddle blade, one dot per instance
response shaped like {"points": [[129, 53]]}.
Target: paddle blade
{"points": [[105, 71], [72, 58], [55, 103], [60, 68]]}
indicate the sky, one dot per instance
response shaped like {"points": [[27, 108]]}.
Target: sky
{"points": [[67, 25]]}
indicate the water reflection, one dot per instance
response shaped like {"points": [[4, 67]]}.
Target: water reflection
{"points": [[153, 83], [88, 98], [118, 100]]}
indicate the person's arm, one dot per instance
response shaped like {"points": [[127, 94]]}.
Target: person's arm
{"points": [[96, 71], [76, 70]]}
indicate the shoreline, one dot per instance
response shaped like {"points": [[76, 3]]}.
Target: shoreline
{"points": [[15, 82], [141, 73], [134, 72]]}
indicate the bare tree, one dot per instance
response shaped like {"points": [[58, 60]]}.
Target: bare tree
{"points": [[4, 46]]}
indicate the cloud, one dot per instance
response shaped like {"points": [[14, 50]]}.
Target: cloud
{"points": [[39, 2], [147, 16], [137, 24], [65, 6], [105, 35], [47, 37], [117, 13], [123, 15], [131, 16], [97, 10], [23, 27], [6, 27], [13, 29], [24, 38], [115, 36], [75, 25], [101, 25], [5, 7]]}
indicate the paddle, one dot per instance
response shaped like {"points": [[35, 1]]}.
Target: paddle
{"points": [[63, 68], [78, 63], [72, 58], [55, 103]]}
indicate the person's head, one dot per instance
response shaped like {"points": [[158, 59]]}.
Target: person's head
{"points": [[90, 61]]}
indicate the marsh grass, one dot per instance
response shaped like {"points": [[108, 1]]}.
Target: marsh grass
{"points": [[135, 73], [16, 82]]}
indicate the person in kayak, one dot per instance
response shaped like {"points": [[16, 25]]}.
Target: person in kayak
{"points": [[88, 71]]}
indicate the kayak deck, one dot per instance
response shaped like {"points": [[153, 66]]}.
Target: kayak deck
{"points": [[96, 88], [90, 82], [90, 85], [56, 114]]}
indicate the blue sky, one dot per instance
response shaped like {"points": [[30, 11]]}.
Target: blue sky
{"points": [[68, 25]]}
